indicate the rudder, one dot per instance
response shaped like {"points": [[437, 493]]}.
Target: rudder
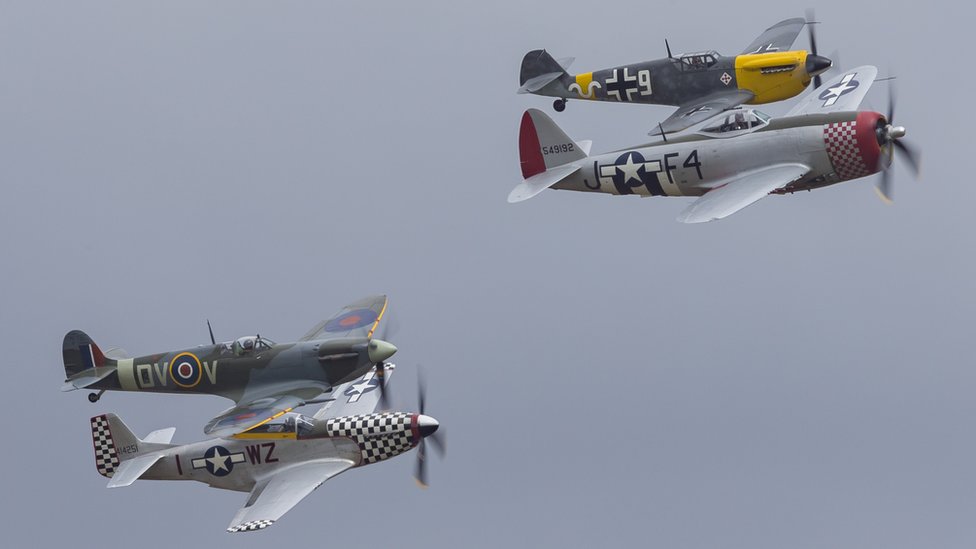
{"points": [[543, 145], [106, 453], [537, 63], [80, 353]]}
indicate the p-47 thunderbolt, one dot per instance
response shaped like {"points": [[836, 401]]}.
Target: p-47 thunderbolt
{"points": [[280, 462], [265, 379], [699, 84], [731, 160]]}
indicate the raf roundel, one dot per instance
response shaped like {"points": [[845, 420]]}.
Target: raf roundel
{"points": [[185, 370], [351, 320]]}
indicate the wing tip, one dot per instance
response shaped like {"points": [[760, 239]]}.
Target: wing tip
{"points": [[250, 526]]}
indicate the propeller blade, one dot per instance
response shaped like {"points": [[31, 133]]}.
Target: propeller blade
{"points": [[421, 390], [438, 441], [389, 327], [909, 154], [811, 21], [420, 467], [383, 403], [891, 103], [884, 187]]}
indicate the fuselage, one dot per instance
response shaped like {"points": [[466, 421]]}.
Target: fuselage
{"points": [[227, 370], [237, 463], [836, 147], [769, 77]]}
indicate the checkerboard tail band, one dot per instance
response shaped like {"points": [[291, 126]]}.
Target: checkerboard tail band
{"points": [[106, 456]]}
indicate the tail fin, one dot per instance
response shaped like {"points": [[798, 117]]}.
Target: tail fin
{"points": [[547, 154], [80, 353], [538, 70], [543, 145], [115, 443]]}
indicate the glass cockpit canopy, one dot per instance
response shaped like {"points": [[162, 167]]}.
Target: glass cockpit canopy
{"points": [[735, 122], [290, 425], [250, 344], [698, 60]]}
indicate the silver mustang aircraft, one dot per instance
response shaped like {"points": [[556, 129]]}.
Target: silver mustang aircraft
{"points": [[730, 160], [281, 461]]}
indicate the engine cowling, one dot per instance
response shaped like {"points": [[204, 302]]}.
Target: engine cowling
{"points": [[854, 146]]}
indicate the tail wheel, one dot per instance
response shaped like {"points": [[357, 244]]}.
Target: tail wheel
{"points": [[559, 105]]}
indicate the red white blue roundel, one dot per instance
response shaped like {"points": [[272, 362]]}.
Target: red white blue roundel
{"points": [[185, 370], [351, 320]]}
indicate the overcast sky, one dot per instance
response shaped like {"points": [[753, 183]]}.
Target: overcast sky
{"points": [[797, 375]]}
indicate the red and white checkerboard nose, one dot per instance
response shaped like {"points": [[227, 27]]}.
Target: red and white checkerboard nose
{"points": [[852, 146]]}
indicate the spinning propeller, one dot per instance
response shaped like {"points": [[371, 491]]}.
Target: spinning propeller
{"points": [[378, 351], [816, 64], [428, 430], [889, 137]]}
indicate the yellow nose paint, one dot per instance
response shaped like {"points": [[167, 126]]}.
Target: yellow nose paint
{"points": [[772, 76]]}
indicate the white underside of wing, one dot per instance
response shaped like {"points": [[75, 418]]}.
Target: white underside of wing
{"points": [[276, 495], [741, 191]]}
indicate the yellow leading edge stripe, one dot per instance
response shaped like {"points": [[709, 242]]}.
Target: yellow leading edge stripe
{"points": [[378, 318]]}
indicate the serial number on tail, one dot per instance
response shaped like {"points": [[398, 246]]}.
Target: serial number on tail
{"points": [[557, 149]]}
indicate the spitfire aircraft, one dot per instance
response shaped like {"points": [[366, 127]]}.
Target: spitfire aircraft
{"points": [[281, 461], [730, 160], [699, 84], [264, 378]]}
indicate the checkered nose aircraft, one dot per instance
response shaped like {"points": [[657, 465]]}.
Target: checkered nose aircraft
{"points": [[732, 159], [699, 84], [265, 379], [280, 462]]}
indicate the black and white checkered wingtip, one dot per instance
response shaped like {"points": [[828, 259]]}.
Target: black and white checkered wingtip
{"points": [[251, 526]]}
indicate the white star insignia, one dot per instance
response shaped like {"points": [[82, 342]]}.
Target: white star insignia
{"points": [[219, 461], [630, 169]]}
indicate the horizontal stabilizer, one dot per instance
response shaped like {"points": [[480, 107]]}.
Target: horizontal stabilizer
{"points": [[129, 471], [540, 182], [162, 436], [536, 83], [86, 378], [586, 145]]}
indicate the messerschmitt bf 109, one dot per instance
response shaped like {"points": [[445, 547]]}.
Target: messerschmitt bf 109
{"points": [[731, 160], [265, 379], [699, 84], [280, 462]]}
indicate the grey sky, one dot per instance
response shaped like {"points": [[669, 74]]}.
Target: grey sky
{"points": [[798, 375]]}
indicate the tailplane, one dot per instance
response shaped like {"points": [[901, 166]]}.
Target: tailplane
{"points": [[122, 456]]}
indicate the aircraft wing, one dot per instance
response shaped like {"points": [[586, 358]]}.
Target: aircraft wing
{"points": [[841, 93], [741, 191], [276, 495], [779, 37], [358, 319], [250, 413], [690, 114], [357, 397]]}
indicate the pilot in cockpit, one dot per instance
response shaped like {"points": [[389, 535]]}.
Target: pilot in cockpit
{"points": [[246, 345]]}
